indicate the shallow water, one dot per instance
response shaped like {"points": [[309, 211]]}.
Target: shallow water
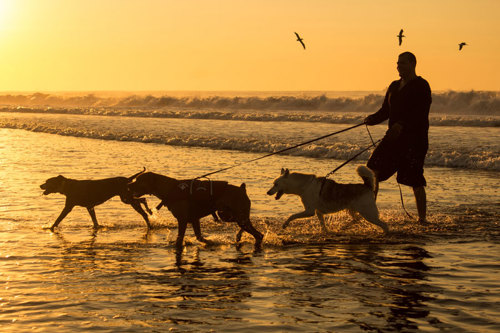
{"points": [[124, 278]]}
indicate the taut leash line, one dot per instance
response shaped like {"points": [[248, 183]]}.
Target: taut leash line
{"points": [[374, 143], [350, 159], [281, 151]]}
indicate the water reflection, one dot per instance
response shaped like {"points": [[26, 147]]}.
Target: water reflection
{"points": [[207, 281], [375, 287], [403, 281], [127, 279]]}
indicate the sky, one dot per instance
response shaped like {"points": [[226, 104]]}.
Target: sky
{"points": [[244, 45]]}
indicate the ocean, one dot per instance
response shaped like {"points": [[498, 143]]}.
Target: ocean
{"points": [[123, 277]]}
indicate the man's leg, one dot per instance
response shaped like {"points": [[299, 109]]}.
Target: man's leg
{"points": [[421, 199]]}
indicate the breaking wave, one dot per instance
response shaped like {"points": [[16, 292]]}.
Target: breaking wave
{"points": [[331, 117], [450, 102]]}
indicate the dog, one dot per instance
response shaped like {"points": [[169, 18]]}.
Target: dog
{"points": [[90, 193], [323, 196], [190, 200]]}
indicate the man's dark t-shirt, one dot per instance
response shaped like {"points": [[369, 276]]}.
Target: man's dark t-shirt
{"points": [[410, 108]]}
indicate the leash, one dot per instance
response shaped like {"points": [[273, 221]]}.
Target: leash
{"points": [[352, 158], [403, 204], [370, 135], [280, 151], [374, 143]]}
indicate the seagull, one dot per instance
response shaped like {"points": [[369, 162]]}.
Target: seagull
{"points": [[461, 45], [300, 40], [400, 36]]}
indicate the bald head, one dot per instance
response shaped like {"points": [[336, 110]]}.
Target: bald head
{"points": [[410, 57], [406, 66]]}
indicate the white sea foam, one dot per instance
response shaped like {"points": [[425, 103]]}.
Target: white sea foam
{"points": [[460, 147], [331, 117]]}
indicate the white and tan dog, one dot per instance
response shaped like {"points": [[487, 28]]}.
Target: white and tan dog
{"points": [[325, 196]]}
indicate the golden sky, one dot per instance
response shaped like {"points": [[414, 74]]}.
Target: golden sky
{"points": [[132, 45]]}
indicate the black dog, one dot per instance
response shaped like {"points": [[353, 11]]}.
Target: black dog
{"points": [[190, 200], [90, 193]]}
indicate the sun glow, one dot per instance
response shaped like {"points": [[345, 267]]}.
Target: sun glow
{"points": [[6, 13], [82, 45]]}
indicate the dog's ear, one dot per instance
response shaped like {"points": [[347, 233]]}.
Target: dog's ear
{"points": [[285, 172]]}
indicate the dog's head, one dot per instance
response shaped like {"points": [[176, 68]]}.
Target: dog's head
{"points": [[144, 184], [279, 184], [53, 185]]}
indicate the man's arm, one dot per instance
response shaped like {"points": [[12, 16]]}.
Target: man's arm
{"points": [[382, 114]]}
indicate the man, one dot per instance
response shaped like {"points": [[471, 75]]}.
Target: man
{"points": [[404, 146]]}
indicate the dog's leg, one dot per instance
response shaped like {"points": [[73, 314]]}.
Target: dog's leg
{"points": [[197, 232], [321, 221], [355, 219], [379, 223], [247, 226], [161, 204], [370, 212], [144, 202], [136, 204], [239, 234], [180, 235], [297, 216], [92, 215], [61, 216], [354, 216]]}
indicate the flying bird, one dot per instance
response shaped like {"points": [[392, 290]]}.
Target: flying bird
{"points": [[461, 45], [300, 40], [400, 36]]}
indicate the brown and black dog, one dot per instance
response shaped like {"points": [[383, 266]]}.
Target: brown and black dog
{"points": [[190, 200], [90, 193]]}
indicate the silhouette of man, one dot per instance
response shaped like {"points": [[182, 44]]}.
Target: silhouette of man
{"points": [[404, 146]]}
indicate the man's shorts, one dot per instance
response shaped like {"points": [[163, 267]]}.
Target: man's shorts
{"points": [[391, 157]]}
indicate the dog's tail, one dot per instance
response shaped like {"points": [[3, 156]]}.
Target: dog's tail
{"points": [[131, 178], [367, 175]]}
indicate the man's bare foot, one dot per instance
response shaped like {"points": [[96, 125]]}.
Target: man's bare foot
{"points": [[423, 221]]}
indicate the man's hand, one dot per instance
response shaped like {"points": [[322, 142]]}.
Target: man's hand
{"points": [[394, 132], [370, 120]]}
